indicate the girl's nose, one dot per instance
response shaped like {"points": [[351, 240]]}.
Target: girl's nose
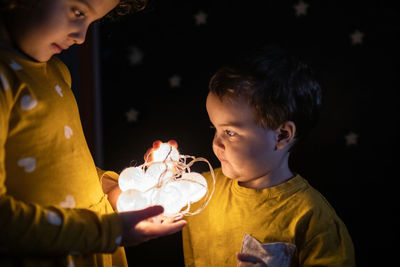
{"points": [[79, 34]]}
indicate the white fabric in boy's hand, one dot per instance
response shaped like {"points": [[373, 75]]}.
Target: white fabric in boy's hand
{"points": [[272, 254]]}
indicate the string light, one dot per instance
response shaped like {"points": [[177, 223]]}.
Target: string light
{"points": [[165, 179]]}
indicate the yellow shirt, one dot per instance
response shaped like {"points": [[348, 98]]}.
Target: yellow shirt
{"points": [[292, 212], [52, 207]]}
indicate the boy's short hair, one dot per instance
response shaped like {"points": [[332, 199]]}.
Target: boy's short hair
{"points": [[278, 86]]}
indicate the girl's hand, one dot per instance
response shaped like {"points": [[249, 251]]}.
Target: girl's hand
{"points": [[138, 226]]}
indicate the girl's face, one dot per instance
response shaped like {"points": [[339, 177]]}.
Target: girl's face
{"points": [[245, 149], [55, 25]]}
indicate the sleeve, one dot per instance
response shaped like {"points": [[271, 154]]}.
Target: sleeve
{"points": [[30, 228], [109, 174], [6, 101], [110, 186], [330, 245]]}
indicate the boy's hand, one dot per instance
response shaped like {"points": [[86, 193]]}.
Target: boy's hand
{"points": [[138, 227], [247, 260]]}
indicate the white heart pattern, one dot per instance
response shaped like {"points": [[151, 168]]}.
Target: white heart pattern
{"points": [[68, 203], [29, 164], [118, 240], [71, 263], [53, 218], [4, 82], [28, 103], [59, 90], [14, 65], [68, 132]]}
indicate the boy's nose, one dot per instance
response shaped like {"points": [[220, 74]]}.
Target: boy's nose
{"points": [[217, 142]]}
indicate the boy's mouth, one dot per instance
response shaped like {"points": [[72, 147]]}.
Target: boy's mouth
{"points": [[222, 159]]}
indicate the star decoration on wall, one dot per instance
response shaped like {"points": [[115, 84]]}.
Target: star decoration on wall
{"points": [[135, 56], [175, 81], [132, 115], [351, 139], [356, 37], [301, 8], [201, 18]]}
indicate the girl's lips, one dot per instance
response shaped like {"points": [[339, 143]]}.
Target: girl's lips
{"points": [[58, 48]]}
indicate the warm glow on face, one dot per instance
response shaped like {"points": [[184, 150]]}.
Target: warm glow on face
{"points": [[164, 179]]}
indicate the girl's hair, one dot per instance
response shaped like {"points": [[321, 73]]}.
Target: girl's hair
{"points": [[278, 87], [124, 7], [127, 6], [7, 5]]}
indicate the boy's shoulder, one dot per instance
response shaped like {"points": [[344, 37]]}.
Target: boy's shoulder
{"points": [[314, 202], [297, 190]]}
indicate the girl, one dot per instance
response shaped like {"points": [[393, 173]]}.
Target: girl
{"points": [[56, 207]]}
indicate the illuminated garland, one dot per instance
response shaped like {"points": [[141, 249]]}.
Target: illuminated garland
{"points": [[165, 179]]}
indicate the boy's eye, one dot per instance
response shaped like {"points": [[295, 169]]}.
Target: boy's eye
{"points": [[78, 13], [230, 133]]}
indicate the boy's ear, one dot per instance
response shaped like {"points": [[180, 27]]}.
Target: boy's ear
{"points": [[286, 135]]}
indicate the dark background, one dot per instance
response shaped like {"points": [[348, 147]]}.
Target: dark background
{"points": [[139, 54]]}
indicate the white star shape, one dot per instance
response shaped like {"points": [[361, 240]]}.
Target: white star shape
{"points": [[201, 18], [356, 37], [175, 81], [351, 139], [132, 115], [301, 8], [135, 56]]}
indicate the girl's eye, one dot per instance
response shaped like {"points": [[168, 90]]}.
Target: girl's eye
{"points": [[230, 133], [78, 13]]}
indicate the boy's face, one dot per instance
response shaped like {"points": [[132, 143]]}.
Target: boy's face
{"points": [[245, 149], [55, 25]]}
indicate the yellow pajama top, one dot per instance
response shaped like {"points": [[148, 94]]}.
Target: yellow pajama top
{"points": [[53, 211], [292, 212]]}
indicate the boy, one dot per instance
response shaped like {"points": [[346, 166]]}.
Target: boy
{"points": [[56, 207], [261, 105]]}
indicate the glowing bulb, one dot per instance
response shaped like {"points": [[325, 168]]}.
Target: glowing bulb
{"points": [[128, 176], [171, 199], [132, 200], [192, 185], [135, 178]]}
